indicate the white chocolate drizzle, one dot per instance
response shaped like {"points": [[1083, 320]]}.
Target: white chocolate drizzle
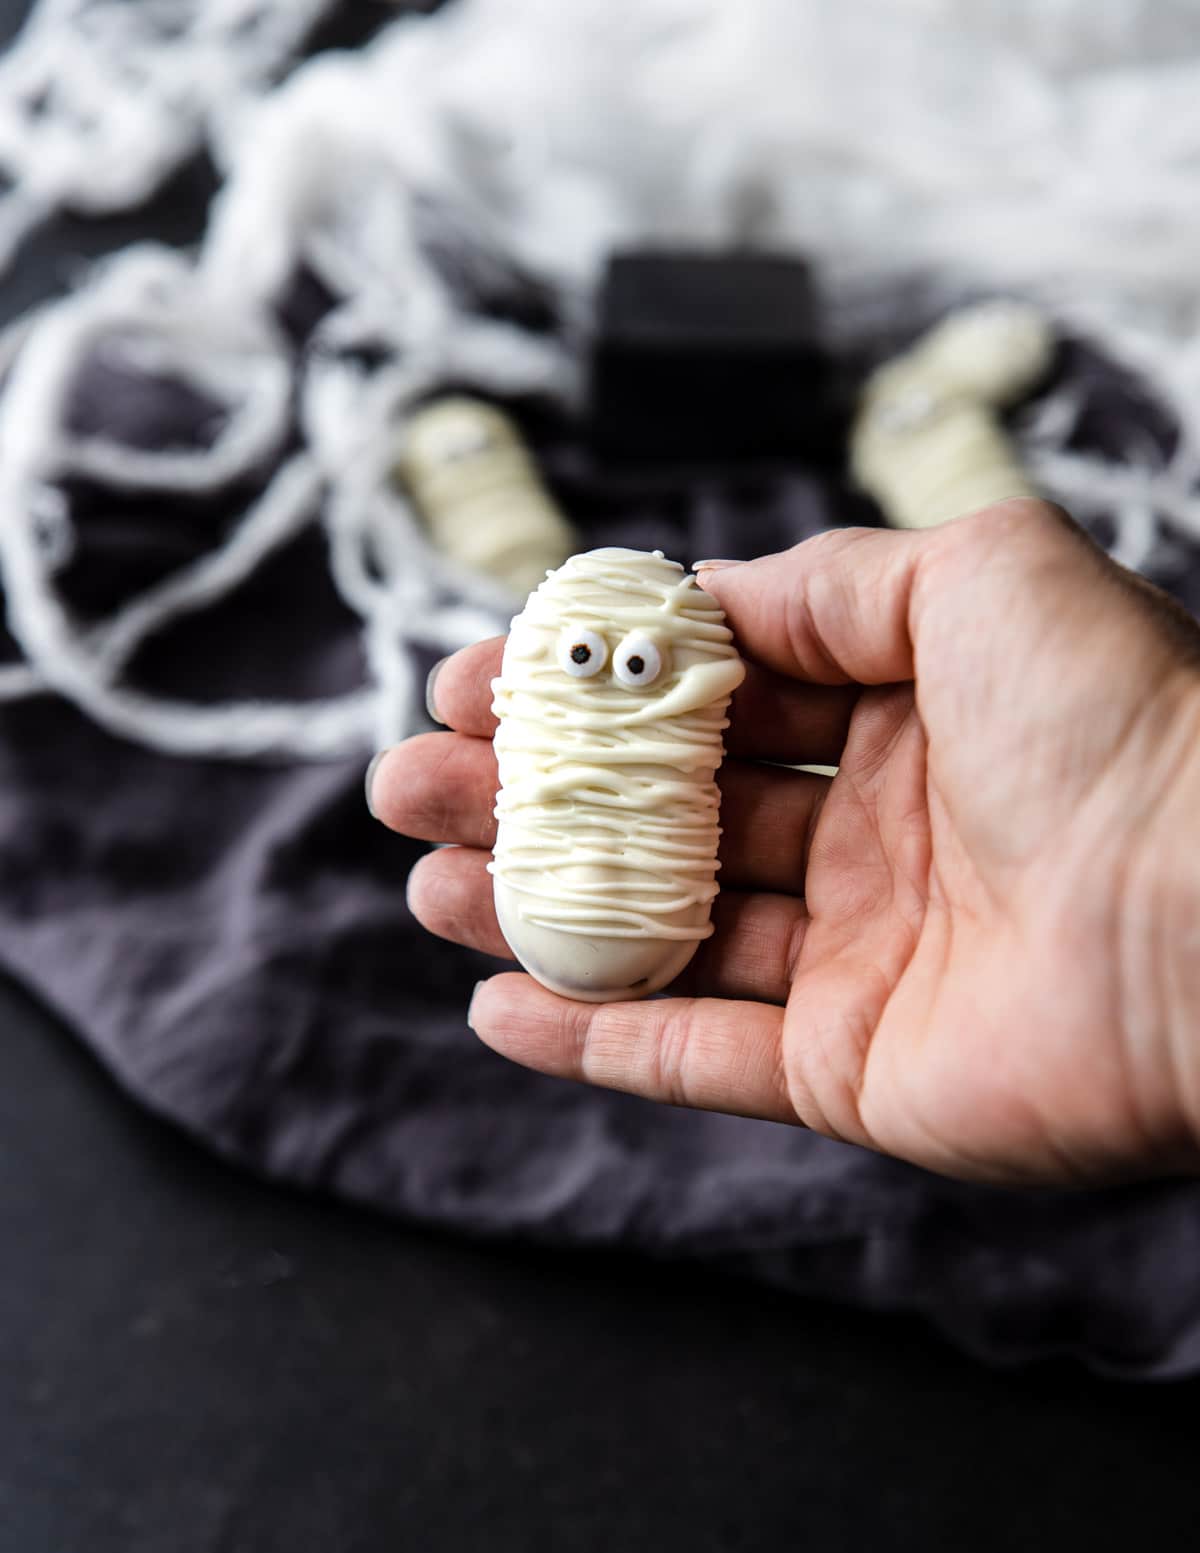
{"points": [[607, 810]]}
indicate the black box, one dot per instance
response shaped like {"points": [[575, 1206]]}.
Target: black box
{"points": [[707, 357]]}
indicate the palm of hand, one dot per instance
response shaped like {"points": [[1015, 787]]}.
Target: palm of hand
{"points": [[960, 997], [913, 1022]]}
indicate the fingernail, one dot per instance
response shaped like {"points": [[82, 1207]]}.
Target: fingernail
{"points": [[713, 566], [371, 770], [430, 703], [471, 1004]]}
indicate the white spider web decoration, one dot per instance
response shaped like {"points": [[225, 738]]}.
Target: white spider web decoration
{"points": [[1048, 149]]}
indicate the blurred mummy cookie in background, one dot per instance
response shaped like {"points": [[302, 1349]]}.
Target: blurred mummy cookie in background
{"points": [[611, 703], [928, 442], [475, 485]]}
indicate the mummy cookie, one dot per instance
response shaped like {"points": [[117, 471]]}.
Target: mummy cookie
{"points": [[611, 705], [929, 443], [475, 484]]}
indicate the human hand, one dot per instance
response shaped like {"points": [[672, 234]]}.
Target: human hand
{"points": [[977, 947]]}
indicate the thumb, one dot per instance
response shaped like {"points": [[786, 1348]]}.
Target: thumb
{"points": [[832, 610]]}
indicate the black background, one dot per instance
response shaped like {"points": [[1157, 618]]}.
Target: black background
{"points": [[190, 1360]]}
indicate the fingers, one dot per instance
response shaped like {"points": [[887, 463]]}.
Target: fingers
{"points": [[752, 953], [845, 606], [459, 691], [773, 718], [754, 950], [450, 894], [712, 1054], [770, 717], [437, 787], [768, 817], [442, 787], [833, 610]]}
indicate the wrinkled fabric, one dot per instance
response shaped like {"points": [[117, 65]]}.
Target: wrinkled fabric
{"points": [[233, 943]]}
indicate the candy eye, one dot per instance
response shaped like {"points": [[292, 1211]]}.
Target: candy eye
{"points": [[637, 661], [582, 653]]}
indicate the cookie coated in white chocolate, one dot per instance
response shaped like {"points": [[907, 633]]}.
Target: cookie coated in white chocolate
{"points": [[479, 492], [611, 703], [929, 443]]}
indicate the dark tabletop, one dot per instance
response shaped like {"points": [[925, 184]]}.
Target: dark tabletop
{"points": [[191, 1362]]}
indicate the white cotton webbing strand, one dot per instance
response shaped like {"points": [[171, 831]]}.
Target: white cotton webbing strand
{"points": [[380, 561], [1033, 147], [100, 100]]}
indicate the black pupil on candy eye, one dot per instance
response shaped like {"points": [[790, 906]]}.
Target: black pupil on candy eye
{"points": [[636, 665], [581, 653]]}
